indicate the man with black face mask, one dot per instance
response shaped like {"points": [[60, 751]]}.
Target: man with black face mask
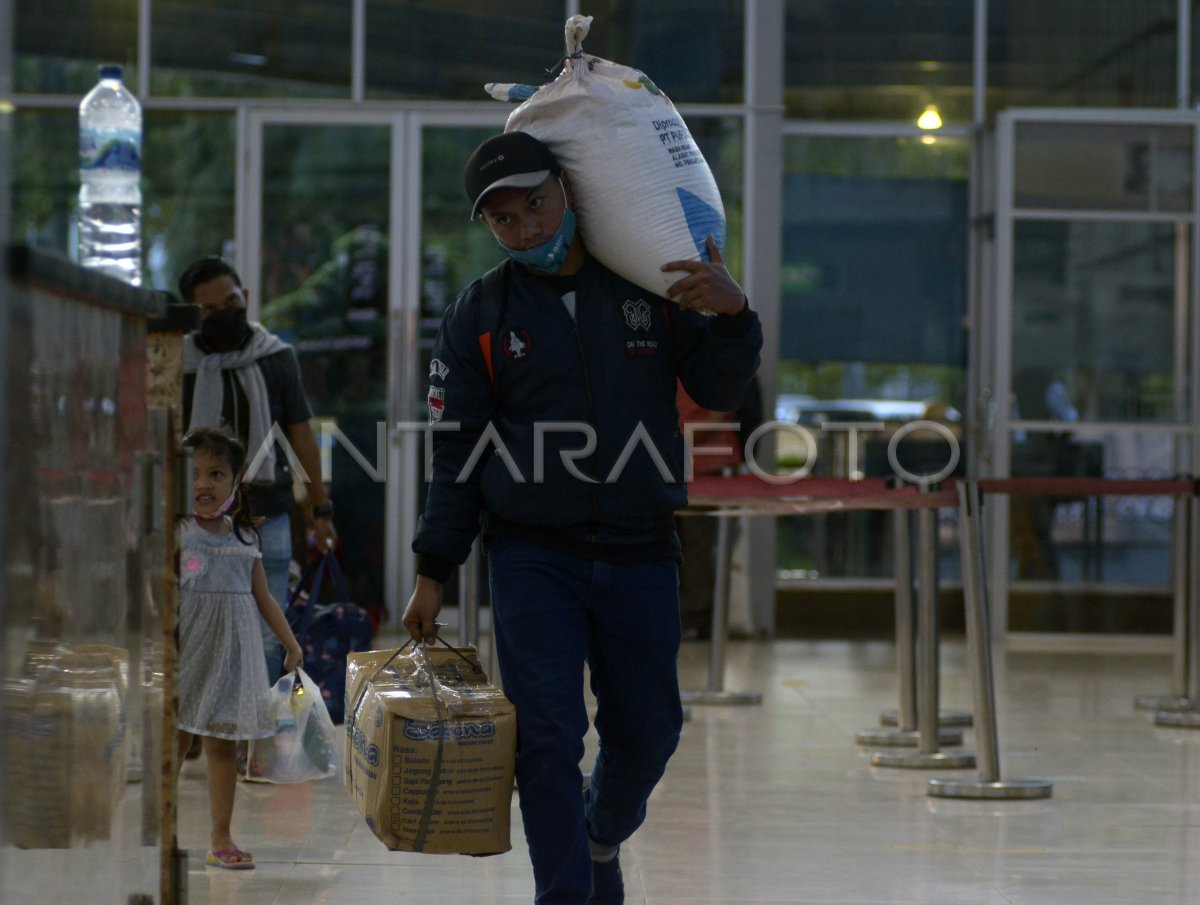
{"points": [[239, 375]]}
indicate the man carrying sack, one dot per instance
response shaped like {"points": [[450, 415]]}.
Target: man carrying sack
{"points": [[568, 373]]}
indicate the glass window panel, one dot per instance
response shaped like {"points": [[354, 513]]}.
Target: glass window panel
{"points": [[187, 192], [1093, 308], [1123, 167], [873, 298], [450, 50], [691, 49], [855, 545], [1195, 72], [187, 187], [226, 48], [1081, 53], [320, 183], [721, 141], [455, 250], [897, 203], [1116, 541], [878, 59], [45, 179], [326, 196], [60, 43]]}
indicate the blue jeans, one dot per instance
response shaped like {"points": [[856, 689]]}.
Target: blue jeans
{"points": [[552, 612], [276, 534]]}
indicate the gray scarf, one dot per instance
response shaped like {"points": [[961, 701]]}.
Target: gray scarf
{"points": [[209, 392]]}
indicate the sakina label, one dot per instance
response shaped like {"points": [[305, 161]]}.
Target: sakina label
{"points": [[360, 742], [109, 151], [422, 731]]}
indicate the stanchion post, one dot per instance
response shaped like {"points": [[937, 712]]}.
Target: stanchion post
{"points": [[715, 693], [928, 756], [1189, 718], [979, 649], [1183, 625], [906, 667], [716, 649], [905, 717], [927, 632], [905, 734]]}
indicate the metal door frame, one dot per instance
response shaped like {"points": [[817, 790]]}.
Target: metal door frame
{"points": [[407, 124], [993, 371], [403, 292]]}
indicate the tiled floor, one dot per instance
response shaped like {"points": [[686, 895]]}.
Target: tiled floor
{"points": [[776, 803]]}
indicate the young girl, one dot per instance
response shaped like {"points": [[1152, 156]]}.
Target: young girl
{"points": [[223, 686]]}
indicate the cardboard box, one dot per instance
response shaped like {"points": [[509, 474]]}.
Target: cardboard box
{"points": [[430, 749], [64, 734]]}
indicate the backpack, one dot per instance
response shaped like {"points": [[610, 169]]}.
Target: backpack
{"points": [[328, 632]]}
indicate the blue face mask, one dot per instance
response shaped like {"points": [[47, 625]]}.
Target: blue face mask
{"points": [[548, 256]]}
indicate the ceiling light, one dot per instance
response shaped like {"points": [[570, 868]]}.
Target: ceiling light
{"points": [[930, 119]]}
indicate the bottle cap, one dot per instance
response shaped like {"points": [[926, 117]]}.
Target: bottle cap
{"points": [[110, 71]]}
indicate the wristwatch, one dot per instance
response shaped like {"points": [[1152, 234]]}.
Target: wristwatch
{"points": [[325, 511]]}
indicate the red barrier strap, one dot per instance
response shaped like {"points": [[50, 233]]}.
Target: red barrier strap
{"points": [[1085, 487], [750, 495]]}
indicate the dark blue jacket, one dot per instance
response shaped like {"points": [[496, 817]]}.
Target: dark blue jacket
{"points": [[519, 369]]}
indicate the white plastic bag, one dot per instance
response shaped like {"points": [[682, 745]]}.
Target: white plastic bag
{"points": [[644, 193], [305, 742]]}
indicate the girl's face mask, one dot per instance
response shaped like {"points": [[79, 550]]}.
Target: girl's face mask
{"points": [[212, 480], [209, 514]]}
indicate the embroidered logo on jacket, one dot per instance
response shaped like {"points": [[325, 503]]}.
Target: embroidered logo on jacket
{"points": [[517, 343], [637, 314], [438, 369], [437, 404], [638, 317]]}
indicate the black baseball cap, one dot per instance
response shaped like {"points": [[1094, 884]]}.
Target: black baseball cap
{"points": [[509, 160]]}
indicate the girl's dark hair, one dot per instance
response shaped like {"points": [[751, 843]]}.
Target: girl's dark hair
{"points": [[230, 451]]}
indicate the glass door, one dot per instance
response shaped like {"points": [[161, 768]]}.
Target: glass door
{"points": [[450, 250], [321, 250], [1095, 256]]}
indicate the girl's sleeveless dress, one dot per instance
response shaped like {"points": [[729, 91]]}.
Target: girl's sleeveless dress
{"points": [[223, 687]]}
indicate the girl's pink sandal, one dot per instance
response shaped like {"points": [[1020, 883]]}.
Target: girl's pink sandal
{"points": [[231, 859]]}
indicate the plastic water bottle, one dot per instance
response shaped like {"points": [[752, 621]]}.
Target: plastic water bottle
{"points": [[110, 170]]}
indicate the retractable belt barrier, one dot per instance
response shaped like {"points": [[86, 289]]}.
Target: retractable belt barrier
{"points": [[748, 495], [1180, 708], [918, 718]]}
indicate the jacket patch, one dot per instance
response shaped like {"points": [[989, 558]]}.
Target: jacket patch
{"points": [[517, 344], [437, 404], [438, 369], [637, 314], [639, 318]]}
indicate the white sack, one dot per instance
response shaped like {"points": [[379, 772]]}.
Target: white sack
{"points": [[644, 193]]}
